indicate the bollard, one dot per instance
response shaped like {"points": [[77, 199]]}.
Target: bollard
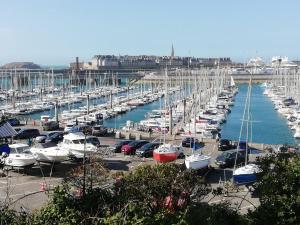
{"points": [[138, 137], [118, 134], [42, 187]]}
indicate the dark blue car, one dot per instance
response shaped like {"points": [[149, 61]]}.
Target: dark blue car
{"points": [[13, 122]]}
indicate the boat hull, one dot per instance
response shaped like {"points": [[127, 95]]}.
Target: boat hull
{"points": [[19, 162], [196, 165], [165, 157], [246, 174], [245, 178], [50, 158]]}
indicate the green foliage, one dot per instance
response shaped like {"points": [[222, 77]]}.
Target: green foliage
{"points": [[278, 190], [164, 185], [205, 214], [162, 194], [8, 216]]}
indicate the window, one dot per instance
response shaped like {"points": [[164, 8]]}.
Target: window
{"points": [[13, 150], [78, 141]]}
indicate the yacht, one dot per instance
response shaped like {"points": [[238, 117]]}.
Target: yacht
{"points": [[49, 153], [19, 156], [76, 145]]}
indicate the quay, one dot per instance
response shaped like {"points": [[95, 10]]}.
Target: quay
{"points": [[238, 78]]}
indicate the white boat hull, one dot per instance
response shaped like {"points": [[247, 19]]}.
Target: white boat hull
{"points": [[52, 154], [50, 158], [197, 162], [19, 162]]}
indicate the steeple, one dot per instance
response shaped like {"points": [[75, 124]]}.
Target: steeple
{"points": [[172, 52]]}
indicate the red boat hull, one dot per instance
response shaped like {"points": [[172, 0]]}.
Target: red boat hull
{"points": [[164, 157]]}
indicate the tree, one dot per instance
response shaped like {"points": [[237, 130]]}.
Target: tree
{"points": [[167, 186], [278, 190], [160, 194], [167, 194]]}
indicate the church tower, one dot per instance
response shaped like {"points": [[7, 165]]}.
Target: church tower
{"points": [[172, 52]]}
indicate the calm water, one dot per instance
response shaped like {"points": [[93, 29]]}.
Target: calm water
{"points": [[134, 115], [268, 125]]}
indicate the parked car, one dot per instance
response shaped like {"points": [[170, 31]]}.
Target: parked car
{"points": [[41, 138], [55, 137], [147, 149], [225, 144], [14, 122], [50, 125], [52, 136], [189, 142], [93, 140], [71, 127], [86, 129], [117, 147], [132, 147], [99, 130], [227, 158], [27, 134], [242, 145]]}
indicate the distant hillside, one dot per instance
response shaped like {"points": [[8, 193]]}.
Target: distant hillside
{"points": [[21, 65]]}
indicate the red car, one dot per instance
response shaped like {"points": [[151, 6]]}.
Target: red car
{"points": [[132, 147]]}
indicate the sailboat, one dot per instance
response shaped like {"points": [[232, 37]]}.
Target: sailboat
{"points": [[232, 83], [167, 152], [196, 161], [246, 174]]}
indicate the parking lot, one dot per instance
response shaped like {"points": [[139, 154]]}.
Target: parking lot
{"points": [[25, 189]]}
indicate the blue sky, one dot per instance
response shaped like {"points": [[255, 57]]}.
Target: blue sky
{"points": [[55, 31]]}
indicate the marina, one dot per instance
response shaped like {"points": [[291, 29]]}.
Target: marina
{"points": [[268, 125], [149, 112]]}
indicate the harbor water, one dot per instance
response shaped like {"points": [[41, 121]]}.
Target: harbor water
{"points": [[135, 115], [268, 126]]}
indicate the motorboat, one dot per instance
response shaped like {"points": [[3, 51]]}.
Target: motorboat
{"points": [[19, 156], [49, 153], [167, 153], [77, 146], [197, 161]]}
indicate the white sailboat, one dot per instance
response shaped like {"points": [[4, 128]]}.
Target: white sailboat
{"points": [[196, 161], [232, 83]]}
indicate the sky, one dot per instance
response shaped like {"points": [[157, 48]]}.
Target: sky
{"points": [[54, 32]]}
